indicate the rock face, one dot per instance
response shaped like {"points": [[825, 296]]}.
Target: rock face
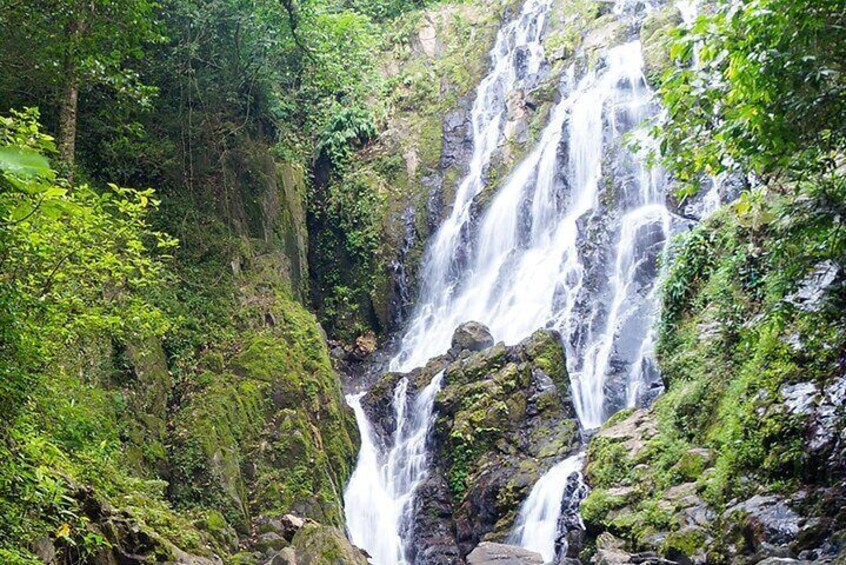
{"points": [[487, 553], [504, 417], [639, 512]]}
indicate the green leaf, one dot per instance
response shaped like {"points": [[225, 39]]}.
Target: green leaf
{"points": [[21, 211], [24, 162]]}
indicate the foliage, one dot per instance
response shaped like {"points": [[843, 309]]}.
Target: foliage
{"points": [[759, 85], [76, 269]]}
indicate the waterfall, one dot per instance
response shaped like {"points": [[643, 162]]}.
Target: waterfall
{"points": [[377, 500], [536, 528], [379, 495], [517, 62], [530, 267], [571, 241]]}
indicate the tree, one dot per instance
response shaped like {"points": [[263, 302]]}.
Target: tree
{"points": [[766, 93], [73, 44]]}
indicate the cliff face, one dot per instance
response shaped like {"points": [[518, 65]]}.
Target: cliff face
{"points": [[230, 414]]}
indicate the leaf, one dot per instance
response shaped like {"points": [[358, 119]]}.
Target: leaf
{"points": [[63, 532], [24, 162], [21, 211]]}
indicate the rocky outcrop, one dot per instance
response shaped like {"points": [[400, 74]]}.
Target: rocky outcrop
{"points": [[471, 336], [125, 539], [504, 417], [643, 510], [294, 540], [487, 553], [268, 429]]}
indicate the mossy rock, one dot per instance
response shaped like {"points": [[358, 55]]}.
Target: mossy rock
{"points": [[322, 545], [477, 366], [682, 545]]}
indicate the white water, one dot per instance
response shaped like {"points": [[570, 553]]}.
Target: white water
{"points": [[536, 528], [571, 241], [517, 59], [382, 486], [378, 498], [529, 266]]}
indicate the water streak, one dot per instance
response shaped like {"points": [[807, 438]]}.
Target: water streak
{"points": [[382, 486], [536, 528], [571, 241]]}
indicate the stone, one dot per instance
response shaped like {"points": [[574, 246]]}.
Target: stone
{"points": [[814, 288], [487, 553], [632, 432], [508, 410], [606, 540], [45, 550], [182, 558], [472, 336], [285, 557], [323, 545], [801, 398], [767, 518], [270, 541], [611, 557]]}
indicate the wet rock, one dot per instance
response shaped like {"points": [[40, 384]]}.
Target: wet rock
{"points": [[505, 416], [431, 539], [571, 537], [471, 336], [487, 553], [765, 519], [814, 288]]}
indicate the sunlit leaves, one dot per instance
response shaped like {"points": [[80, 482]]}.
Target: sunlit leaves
{"points": [[755, 85]]}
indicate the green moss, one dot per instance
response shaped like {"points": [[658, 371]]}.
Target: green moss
{"points": [[726, 351], [685, 543], [321, 545], [609, 463], [595, 508]]}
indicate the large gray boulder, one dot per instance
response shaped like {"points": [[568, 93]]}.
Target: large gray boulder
{"points": [[471, 336], [487, 553]]}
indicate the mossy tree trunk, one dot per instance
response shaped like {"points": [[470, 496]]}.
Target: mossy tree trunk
{"points": [[69, 102]]}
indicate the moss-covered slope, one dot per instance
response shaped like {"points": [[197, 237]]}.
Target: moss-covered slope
{"points": [[752, 350]]}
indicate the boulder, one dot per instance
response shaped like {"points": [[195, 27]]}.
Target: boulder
{"points": [[505, 416], [815, 288], [285, 557], [471, 336], [765, 519], [323, 545], [487, 553]]}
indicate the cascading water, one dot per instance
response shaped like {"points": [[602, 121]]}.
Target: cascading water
{"points": [[379, 495], [571, 241], [517, 62], [377, 500], [532, 266], [536, 528]]}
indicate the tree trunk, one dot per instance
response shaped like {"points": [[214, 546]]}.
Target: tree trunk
{"points": [[69, 103], [67, 125]]}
